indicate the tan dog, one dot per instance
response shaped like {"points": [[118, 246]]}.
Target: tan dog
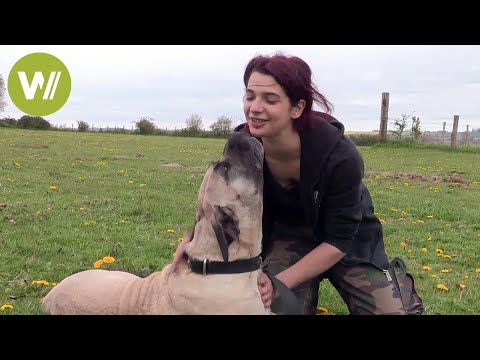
{"points": [[227, 238]]}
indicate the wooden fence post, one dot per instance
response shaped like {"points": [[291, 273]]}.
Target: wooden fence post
{"points": [[453, 143], [384, 117]]}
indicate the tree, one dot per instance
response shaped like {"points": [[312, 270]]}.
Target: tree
{"points": [[223, 125], [83, 126], [416, 127], [194, 124], [3, 104], [33, 122], [400, 125], [145, 125]]}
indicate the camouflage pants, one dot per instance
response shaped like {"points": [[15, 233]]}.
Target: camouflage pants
{"points": [[365, 288]]}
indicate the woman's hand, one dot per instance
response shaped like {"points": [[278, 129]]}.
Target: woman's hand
{"points": [[180, 252], [267, 291]]}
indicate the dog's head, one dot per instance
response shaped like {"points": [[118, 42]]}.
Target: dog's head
{"points": [[230, 201]]}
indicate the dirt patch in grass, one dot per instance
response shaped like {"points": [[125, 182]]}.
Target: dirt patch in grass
{"points": [[32, 146], [415, 177], [171, 165]]}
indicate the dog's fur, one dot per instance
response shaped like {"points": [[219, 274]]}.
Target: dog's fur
{"points": [[227, 227]]}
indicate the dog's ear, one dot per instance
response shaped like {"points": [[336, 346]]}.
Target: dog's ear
{"points": [[225, 225]]}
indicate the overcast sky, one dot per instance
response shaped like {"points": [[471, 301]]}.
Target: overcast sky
{"points": [[115, 85]]}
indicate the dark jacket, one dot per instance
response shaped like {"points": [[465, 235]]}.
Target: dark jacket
{"points": [[336, 203]]}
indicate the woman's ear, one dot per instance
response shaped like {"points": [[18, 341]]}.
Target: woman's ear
{"points": [[298, 109]]}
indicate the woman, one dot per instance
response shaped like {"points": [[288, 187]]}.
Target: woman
{"points": [[318, 219]]}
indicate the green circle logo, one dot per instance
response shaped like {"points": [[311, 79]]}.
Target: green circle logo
{"points": [[39, 84]]}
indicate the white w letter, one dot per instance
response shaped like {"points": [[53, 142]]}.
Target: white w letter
{"points": [[30, 90]]}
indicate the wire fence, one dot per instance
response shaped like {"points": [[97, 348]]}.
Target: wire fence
{"points": [[434, 130]]}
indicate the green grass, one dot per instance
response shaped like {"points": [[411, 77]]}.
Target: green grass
{"points": [[94, 212]]}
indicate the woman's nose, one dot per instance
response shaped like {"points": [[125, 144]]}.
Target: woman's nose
{"points": [[256, 105]]}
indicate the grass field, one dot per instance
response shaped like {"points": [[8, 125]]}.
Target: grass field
{"points": [[70, 199]]}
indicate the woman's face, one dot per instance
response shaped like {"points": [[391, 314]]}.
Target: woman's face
{"points": [[267, 108]]}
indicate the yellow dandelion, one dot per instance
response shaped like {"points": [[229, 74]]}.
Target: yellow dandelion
{"points": [[414, 222], [446, 256], [403, 244], [122, 221], [477, 271], [143, 185], [445, 271], [322, 310], [420, 221], [465, 276], [108, 259], [82, 209], [98, 264], [401, 219], [462, 286], [394, 210], [424, 250], [434, 276], [429, 238], [410, 251], [6, 307], [53, 187], [442, 287], [404, 213], [439, 251], [17, 165], [170, 231], [430, 216], [130, 181], [426, 267], [121, 171], [382, 221], [392, 188], [53, 284], [40, 282]]}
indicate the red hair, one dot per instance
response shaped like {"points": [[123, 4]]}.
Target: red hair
{"points": [[295, 77]]}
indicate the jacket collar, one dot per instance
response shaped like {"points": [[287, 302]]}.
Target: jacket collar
{"points": [[317, 143]]}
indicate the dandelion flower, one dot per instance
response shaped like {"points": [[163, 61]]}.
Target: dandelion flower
{"points": [[434, 276], [477, 271], [410, 251], [439, 251], [53, 187], [17, 165], [40, 282], [6, 307], [445, 271], [322, 310], [430, 216], [424, 250], [462, 286], [426, 267], [108, 259], [442, 287], [170, 231], [429, 238], [403, 244], [98, 264]]}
